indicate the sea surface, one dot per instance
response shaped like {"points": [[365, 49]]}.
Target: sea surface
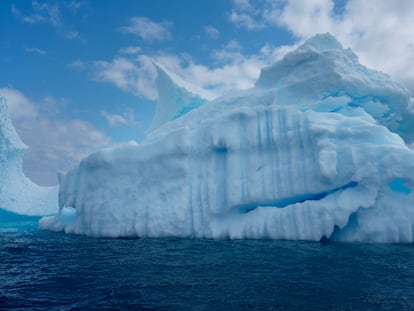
{"points": [[50, 271]]}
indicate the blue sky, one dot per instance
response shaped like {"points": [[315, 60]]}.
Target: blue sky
{"points": [[78, 76]]}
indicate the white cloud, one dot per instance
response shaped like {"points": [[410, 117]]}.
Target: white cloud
{"points": [[304, 18], [20, 106], [74, 6], [51, 106], [35, 51], [233, 45], [129, 72], [137, 75], [41, 13], [134, 75], [250, 14], [130, 50], [55, 145], [133, 72], [243, 19], [49, 13], [146, 29], [78, 64], [233, 70], [212, 32], [243, 5], [380, 32], [115, 120]]}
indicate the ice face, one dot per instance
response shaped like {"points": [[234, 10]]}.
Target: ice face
{"points": [[17, 193], [314, 151]]}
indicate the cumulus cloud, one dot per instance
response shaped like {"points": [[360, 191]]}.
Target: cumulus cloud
{"points": [[55, 144], [244, 19], [130, 50], [147, 29], [252, 14], [134, 75], [115, 120], [233, 70], [381, 32]]}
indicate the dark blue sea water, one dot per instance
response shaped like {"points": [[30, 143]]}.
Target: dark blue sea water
{"points": [[49, 271]]}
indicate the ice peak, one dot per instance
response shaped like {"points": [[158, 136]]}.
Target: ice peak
{"points": [[163, 72], [9, 139], [321, 68], [18, 194], [175, 96], [319, 56], [322, 42]]}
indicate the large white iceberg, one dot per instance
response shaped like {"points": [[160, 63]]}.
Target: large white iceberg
{"points": [[316, 150], [18, 194]]}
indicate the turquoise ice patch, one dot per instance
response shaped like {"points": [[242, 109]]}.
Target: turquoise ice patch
{"points": [[397, 185]]}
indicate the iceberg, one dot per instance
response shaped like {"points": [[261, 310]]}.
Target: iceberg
{"points": [[18, 194], [316, 150]]}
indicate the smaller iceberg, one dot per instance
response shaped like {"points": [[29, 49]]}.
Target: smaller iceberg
{"points": [[19, 196]]}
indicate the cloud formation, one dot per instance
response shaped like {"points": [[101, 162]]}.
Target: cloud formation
{"points": [[381, 32], [147, 29], [50, 13], [130, 50], [248, 14], [131, 74], [135, 74], [41, 13], [55, 144], [212, 32], [116, 120], [75, 6]]}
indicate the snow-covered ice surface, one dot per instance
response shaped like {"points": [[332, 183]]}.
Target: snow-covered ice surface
{"points": [[19, 195], [316, 150]]}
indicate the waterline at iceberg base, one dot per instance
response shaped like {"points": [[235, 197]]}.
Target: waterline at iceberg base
{"points": [[318, 149]]}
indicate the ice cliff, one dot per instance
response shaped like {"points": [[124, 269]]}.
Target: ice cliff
{"points": [[18, 194], [316, 150]]}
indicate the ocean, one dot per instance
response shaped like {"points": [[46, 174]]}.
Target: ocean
{"points": [[42, 270]]}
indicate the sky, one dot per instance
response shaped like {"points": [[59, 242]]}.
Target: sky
{"points": [[78, 76]]}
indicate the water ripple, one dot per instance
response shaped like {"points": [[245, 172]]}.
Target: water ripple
{"points": [[48, 271]]}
